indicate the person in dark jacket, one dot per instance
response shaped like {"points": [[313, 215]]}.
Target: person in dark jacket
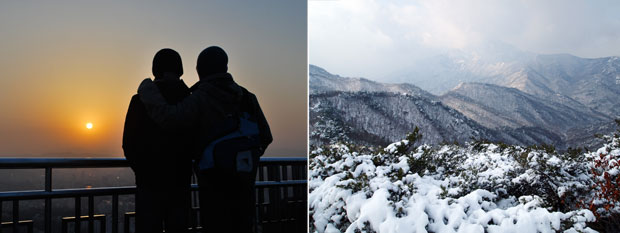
{"points": [[226, 198], [160, 158]]}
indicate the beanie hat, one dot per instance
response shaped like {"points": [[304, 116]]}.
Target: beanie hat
{"points": [[167, 60], [212, 60]]}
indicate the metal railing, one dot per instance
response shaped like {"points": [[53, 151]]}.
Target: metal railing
{"points": [[281, 190]]}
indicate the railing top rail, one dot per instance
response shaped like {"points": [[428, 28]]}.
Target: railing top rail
{"points": [[62, 162], [12, 163], [103, 191], [284, 160]]}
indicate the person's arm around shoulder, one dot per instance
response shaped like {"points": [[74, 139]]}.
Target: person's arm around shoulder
{"points": [[183, 114]]}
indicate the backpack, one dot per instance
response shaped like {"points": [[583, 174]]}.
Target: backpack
{"points": [[236, 151]]}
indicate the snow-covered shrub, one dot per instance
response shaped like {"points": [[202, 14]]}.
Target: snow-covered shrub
{"points": [[478, 187], [604, 200]]}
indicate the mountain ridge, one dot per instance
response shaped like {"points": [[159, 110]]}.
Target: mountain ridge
{"points": [[378, 113]]}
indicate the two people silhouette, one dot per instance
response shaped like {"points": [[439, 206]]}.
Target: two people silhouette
{"points": [[167, 129]]}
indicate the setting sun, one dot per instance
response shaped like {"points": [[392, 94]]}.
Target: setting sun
{"points": [[89, 125]]}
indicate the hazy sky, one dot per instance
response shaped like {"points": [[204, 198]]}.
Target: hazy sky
{"points": [[372, 38], [64, 64]]}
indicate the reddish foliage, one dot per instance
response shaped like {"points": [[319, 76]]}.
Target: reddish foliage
{"points": [[606, 186]]}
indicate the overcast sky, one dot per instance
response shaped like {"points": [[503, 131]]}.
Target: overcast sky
{"points": [[371, 38]]}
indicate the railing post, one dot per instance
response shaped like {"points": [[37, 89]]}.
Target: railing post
{"points": [[303, 217], [30, 226], [15, 215], [262, 208], [78, 208], [0, 216], [115, 213], [126, 224], [91, 214], [285, 196], [102, 224], [63, 226], [48, 201], [275, 198]]}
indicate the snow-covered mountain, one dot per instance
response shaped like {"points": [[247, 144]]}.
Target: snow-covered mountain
{"points": [[377, 118], [322, 81], [496, 107], [591, 82], [448, 68], [373, 113], [594, 83]]}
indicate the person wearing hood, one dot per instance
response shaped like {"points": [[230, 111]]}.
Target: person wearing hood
{"points": [[160, 158], [227, 199]]}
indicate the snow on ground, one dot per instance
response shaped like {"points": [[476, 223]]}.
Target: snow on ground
{"points": [[480, 187]]}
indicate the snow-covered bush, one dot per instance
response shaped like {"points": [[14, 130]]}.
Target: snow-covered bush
{"points": [[478, 187], [604, 199]]}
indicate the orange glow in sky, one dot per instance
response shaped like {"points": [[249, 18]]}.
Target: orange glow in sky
{"points": [[69, 69]]}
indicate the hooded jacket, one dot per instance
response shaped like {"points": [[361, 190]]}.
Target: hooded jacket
{"points": [[211, 99], [158, 156]]}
